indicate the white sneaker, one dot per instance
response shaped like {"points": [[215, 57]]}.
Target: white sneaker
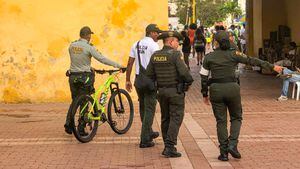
{"points": [[282, 98]]}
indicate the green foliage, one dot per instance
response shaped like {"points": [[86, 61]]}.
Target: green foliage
{"points": [[232, 8], [209, 11]]}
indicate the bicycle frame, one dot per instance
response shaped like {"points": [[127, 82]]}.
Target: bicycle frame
{"points": [[105, 88]]}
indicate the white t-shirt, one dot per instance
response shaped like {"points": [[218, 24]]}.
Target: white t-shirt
{"points": [[243, 33], [147, 48]]}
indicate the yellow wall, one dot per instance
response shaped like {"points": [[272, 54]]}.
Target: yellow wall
{"points": [[293, 15], [274, 14], [35, 36], [257, 25]]}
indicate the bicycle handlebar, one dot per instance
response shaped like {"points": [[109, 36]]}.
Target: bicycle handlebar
{"points": [[99, 71]]}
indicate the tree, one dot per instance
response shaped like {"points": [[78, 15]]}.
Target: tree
{"points": [[210, 12], [232, 9]]}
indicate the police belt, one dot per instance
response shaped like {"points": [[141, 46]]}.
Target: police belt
{"points": [[168, 86], [222, 80], [80, 73]]}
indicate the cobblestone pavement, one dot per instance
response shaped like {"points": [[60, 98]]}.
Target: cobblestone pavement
{"points": [[32, 135]]}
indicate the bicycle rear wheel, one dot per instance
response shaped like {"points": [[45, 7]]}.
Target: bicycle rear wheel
{"points": [[120, 111], [84, 129]]}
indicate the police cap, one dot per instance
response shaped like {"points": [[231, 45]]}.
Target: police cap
{"points": [[85, 31], [222, 35], [153, 28], [168, 34]]}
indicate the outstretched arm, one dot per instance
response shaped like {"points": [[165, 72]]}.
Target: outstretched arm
{"points": [[98, 56]]}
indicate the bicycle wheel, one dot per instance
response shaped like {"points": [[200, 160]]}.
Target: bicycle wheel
{"points": [[84, 129], [120, 111]]}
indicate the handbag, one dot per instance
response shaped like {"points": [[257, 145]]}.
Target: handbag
{"points": [[142, 81]]}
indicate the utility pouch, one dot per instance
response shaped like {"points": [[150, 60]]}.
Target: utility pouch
{"points": [[180, 88]]}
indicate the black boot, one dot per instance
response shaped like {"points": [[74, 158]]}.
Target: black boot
{"points": [[146, 145], [171, 152], [154, 134], [223, 157], [234, 152]]}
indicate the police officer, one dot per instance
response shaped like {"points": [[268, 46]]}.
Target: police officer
{"points": [[147, 99], [81, 78], [225, 92], [167, 68]]}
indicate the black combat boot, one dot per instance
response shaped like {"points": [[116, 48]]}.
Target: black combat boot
{"points": [[171, 152], [223, 157], [147, 145], [234, 152], [154, 134]]}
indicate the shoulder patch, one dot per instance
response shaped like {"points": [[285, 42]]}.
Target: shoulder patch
{"points": [[238, 53]]}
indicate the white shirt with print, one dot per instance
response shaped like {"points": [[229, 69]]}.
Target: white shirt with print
{"points": [[147, 48]]}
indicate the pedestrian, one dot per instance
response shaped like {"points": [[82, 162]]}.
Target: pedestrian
{"points": [[224, 92], [243, 39], [191, 34], [81, 76], [168, 70], [199, 43], [186, 48], [140, 53]]}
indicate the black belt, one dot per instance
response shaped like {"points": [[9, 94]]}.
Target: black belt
{"points": [[79, 73], [222, 80], [168, 86]]}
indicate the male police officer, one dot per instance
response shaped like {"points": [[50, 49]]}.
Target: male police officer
{"points": [[167, 68], [225, 92], [81, 78]]}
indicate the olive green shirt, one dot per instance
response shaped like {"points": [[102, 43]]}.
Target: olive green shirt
{"points": [[81, 52], [167, 68], [222, 64]]}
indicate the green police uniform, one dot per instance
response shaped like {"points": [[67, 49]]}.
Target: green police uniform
{"points": [[224, 91], [81, 78], [169, 71]]}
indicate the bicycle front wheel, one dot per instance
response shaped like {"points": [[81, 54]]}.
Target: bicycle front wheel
{"points": [[120, 111], [84, 128]]}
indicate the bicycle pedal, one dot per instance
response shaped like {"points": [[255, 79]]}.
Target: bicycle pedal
{"points": [[103, 117]]}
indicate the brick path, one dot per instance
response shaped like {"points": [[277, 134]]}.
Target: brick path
{"points": [[32, 136]]}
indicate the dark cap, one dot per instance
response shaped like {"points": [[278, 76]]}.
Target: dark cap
{"points": [[153, 28], [222, 35], [85, 31], [168, 34]]}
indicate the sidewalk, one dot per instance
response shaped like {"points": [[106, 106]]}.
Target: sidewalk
{"points": [[32, 135]]}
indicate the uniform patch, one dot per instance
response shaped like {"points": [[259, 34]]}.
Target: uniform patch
{"points": [[160, 58], [240, 54], [77, 50], [181, 57]]}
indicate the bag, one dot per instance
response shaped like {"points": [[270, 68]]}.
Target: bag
{"points": [[142, 81]]}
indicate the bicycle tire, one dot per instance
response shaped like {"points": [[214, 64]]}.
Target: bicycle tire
{"points": [[110, 113], [77, 103]]}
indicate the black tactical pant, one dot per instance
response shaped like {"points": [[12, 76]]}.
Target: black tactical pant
{"points": [[81, 83], [225, 96], [147, 104], [172, 112]]}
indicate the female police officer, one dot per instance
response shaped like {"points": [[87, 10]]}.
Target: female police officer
{"points": [[225, 92]]}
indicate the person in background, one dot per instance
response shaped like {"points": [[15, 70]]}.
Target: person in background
{"points": [[186, 48], [191, 35], [199, 43]]}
